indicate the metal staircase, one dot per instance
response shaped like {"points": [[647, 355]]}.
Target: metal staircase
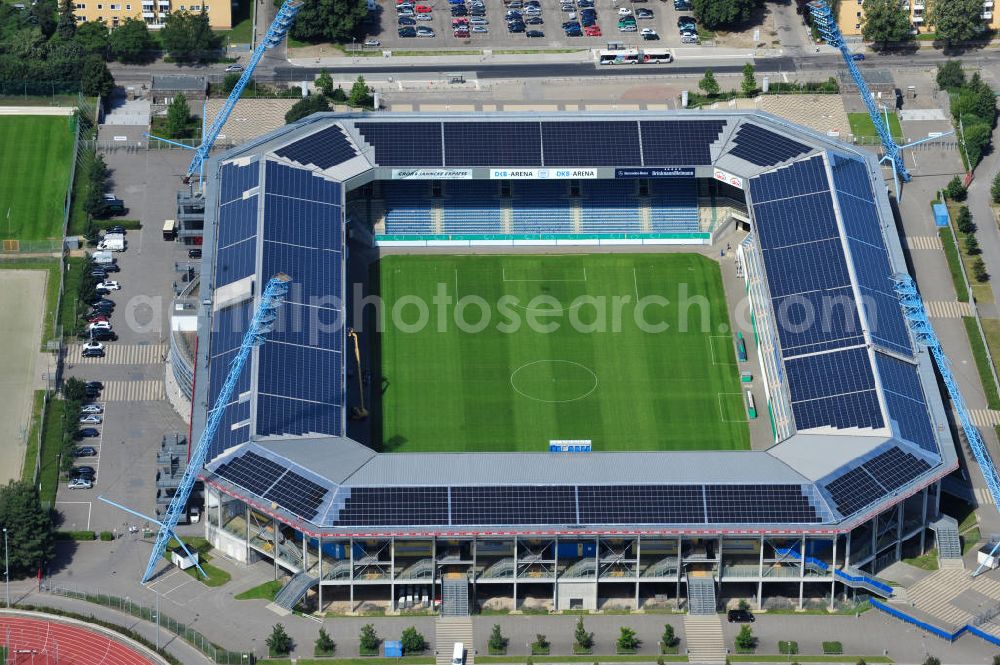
{"points": [[421, 570], [701, 595], [582, 568], [949, 544], [455, 596], [502, 568], [293, 592]]}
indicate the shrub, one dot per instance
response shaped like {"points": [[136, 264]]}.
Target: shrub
{"points": [[708, 83], [339, 96], [498, 643], [669, 638], [972, 245], [979, 271], [75, 535], [964, 221], [413, 641], [745, 641], [744, 605], [107, 536], [995, 194], [279, 643], [325, 646], [789, 648], [540, 646], [955, 190], [627, 640], [833, 648], [368, 640], [583, 641], [931, 660], [950, 75]]}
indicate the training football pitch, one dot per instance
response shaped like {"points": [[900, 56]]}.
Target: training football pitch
{"points": [[566, 353], [35, 156]]}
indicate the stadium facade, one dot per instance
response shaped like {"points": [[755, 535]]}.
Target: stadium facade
{"points": [[849, 483]]}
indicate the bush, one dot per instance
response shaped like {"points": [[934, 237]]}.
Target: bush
{"points": [[950, 75], [75, 535], [540, 647], [833, 648], [325, 646], [107, 536], [955, 190], [583, 641], [497, 643], [279, 643], [745, 641], [931, 660], [669, 639], [964, 220], [413, 642], [979, 271], [339, 96], [627, 640], [306, 107], [368, 640], [789, 648], [972, 245]]}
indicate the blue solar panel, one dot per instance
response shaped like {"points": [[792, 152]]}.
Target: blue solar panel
{"points": [[853, 490], [905, 399], [817, 321], [759, 504], [803, 177], [229, 325], [300, 372], [823, 375], [854, 410], [234, 412], [679, 142], [235, 262], [281, 415], [316, 273], [881, 306], [851, 176], [793, 221], [576, 144], [894, 468], [301, 184], [404, 144], [227, 436], [299, 222], [236, 180], [860, 219], [763, 147], [642, 504], [319, 327], [492, 144], [323, 149], [808, 267], [237, 221]]}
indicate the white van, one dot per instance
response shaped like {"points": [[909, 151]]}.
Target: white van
{"points": [[458, 654]]}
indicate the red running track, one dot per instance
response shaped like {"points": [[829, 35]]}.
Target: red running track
{"points": [[42, 642]]}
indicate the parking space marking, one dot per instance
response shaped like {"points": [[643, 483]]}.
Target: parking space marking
{"points": [[134, 391], [121, 354], [89, 504]]}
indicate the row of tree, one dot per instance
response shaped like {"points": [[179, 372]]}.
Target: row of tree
{"points": [[359, 97], [887, 22], [973, 107]]}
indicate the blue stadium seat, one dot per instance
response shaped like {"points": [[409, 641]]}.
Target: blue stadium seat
{"points": [[541, 207], [610, 206], [408, 208], [472, 207], [673, 206]]}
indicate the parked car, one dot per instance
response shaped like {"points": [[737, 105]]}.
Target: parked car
{"points": [[592, 30], [423, 9], [479, 20], [642, 12], [91, 408], [78, 471], [110, 285], [534, 20], [88, 433], [460, 21], [425, 17], [857, 57], [99, 273], [740, 616], [480, 28], [624, 11], [407, 32], [85, 451], [406, 20], [515, 26], [369, 43], [459, 11], [534, 33], [91, 419], [92, 353], [111, 267], [102, 335], [91, 346], [96, 385], [99, 324], [424, 31], [80, 484], [234, 68]]}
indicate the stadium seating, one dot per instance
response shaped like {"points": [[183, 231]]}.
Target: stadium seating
{"points": [[610, 206], [408, 208], [472, 207], [673, 206], [541, 207]]}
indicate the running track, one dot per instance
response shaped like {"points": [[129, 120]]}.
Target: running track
{"points": [[45, 642]]}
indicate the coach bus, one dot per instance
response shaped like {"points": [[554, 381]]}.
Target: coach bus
{"points": [[655, 55], [629, 56]]}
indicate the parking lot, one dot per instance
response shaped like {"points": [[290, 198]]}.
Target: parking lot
{"points": [[136, 415], [663, 21]]}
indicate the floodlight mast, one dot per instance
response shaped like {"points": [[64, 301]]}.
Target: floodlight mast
{"points": [[263, 318]]}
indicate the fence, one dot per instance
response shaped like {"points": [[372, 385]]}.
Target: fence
{"points": [[150, 613], [55, 92]]}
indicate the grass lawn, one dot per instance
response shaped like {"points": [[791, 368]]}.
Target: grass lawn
{"points": [[551, 347], [982, 362], [31, 449], [406, 660], [216, 576], [265, 591], [242, 30], [962, 511], [862, 125], [807, 659], [982, 291], [926, 561], [991, 328], [35, 156], [52, 442], [71, 307], [954, 264]]}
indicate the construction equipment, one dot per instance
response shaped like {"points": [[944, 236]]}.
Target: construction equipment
{"points": [[358, 412], [263, 318]]}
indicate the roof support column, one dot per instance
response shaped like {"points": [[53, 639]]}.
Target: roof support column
{"points": [[274, 538], [319, 588], [392, 573], [515, 572], [760, 576], [679, 570], [597, 572], [638, 558], [802, 569], [923, 522], [833, 567], [350, 544], [555, 574]]}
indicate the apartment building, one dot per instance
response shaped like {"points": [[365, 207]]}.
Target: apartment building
{"points": [[850, 15], [153, 12]]}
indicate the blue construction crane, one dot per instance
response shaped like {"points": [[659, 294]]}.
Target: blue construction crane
{"points": [[825, 22], [916, 316], [260, 325], [274, 36]]}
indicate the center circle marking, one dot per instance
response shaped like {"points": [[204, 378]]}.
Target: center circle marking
{"points": [[583, 381]]}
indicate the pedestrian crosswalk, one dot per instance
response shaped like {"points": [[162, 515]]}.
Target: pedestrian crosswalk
{"points": [[984, 417], [947, 309], [983, 496], [121, 354], [133, 391], [923, 242]]}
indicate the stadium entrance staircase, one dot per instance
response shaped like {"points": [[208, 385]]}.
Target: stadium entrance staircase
{"points": [[701, 594], [705, 642], [292, 593], [447, 631], [455, 595], [949, 545]]}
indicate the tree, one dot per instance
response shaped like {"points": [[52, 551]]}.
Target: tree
{"points": [[131, 42], [93, 37], [979, 270], [368, 641], [977, 142], [885, 21], [413, 642], [43, 14], [324, 82], [950, 75], [97, 80], [306, 107], [964, 220], [931, 660], [178, 117], [749, 84], [627, 641], [74, 389], [972, 245], [498, 643], [541, 642], [976, 98], [956, 20], [338, 96], [995, 194], [954, 190], [669, 638], [325, 646], [721, 13], [66, 24], [329, 20], [584, 640], [745, 639], [230, 81], [188, 37], [279, 643], [360, 93], [29, 528], [708, 83]]}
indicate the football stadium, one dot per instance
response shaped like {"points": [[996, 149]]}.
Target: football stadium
{"points": [[563, 361]]}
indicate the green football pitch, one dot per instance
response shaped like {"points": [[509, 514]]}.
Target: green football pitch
{"points": [[488, 353], [35, 157]]}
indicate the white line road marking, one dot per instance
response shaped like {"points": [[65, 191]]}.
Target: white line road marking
{"points": [[121, 354], [924, 242], [635, 284], [984, 417], [983, 496], [89, 504], [947, 309], [135, 391]]}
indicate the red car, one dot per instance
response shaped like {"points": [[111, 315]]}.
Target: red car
{"points": [[97, 317], [592, 31], [423, 9], [462, 34], [459, 21]]}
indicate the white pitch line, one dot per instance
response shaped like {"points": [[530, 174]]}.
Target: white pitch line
{"points": [[635, 285]]}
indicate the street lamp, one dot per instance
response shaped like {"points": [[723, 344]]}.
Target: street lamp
{"points": [[6, 566]]}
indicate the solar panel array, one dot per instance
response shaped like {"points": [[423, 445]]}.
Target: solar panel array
{"points": [[833, 389], [863, 485], [542, 143], [237, 179], [763, 147], [265, 478], [325, 148], [567, 504], [905, 401]]}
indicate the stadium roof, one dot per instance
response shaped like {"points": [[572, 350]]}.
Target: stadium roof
{"points": [[865, 424]]}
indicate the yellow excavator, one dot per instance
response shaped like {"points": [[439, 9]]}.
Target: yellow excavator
{"points": [[358, 412]]}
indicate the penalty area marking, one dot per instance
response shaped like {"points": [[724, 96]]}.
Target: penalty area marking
{"points": [[722, 412], [711, 347], [503, 273]]}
